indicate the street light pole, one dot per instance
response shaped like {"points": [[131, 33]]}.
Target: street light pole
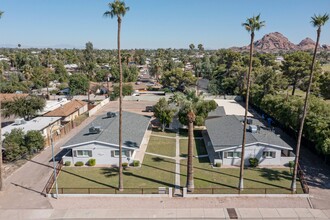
{"points": [[54, 164]]}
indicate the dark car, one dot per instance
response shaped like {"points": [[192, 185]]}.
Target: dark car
{"points": [[111, 114]]}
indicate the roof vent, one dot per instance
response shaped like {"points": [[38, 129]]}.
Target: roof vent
{"points": [[253, 128], [95, 129]]}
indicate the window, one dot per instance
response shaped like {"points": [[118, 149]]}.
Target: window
{"points": [[269, 154], [115, 153], [232, 154], [83, 153]]}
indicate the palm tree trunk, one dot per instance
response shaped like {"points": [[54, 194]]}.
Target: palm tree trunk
{"points": [[295, 170], [121, 185], [190, 177], [241, 173]]}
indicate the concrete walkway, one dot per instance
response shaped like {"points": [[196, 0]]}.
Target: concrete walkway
{"points": [[141, 152], [190, 213]]}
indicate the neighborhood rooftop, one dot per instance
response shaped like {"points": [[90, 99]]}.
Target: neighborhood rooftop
{"points": [[226, 132], [134, 127], [36, 124], [67, 109]]}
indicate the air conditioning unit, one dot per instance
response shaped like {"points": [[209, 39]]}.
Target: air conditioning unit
{"points": [[95, 130], [249, 121], [253, 128], [19, 121]]}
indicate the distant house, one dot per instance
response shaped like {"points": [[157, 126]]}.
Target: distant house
{"points": [[225, 142], [9, 97], [99, 140], [69, 111], [52, 105], [42, 124]]}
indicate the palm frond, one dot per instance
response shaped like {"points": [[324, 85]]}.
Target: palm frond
{"points": [[1, 13], [253, 24], [117, 8], [319, 20]]}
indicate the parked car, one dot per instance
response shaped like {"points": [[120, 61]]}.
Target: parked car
{"points": [[111, 114], [149, 108]]}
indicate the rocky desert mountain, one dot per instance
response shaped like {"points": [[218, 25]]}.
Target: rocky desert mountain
{"points": [[274, 42]]}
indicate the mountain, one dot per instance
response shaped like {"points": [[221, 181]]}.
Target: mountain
{"points": [[307, 44], [274, 42]]}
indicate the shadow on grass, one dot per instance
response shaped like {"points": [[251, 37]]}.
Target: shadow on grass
{"points": [[110, 172]]}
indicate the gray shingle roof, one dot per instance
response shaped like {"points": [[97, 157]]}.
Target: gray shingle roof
{"points": [[134, 127], [226, 132], [218, 112]]}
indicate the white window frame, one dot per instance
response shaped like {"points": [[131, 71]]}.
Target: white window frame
{"points": [[84, 153], [238, 154], [116, 153], [269, 154]]}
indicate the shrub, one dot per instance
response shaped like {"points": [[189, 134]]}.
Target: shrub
{"points": [[67, 163], [218, 164], [291, 164], [79, 164], [125, 164], [92, 162], [136, 163], [253, 162]]}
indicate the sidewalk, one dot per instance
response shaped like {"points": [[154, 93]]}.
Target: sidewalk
{"points": [[195, 213]]}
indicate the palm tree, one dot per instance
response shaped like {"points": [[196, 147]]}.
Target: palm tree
{"points": [[190, 106], [317, 21], [252, 24], [1, 13], [118, 9]]}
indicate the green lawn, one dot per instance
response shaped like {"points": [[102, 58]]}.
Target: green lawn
{"points": [[199, 147], [162, 146], [155, 172], [226, 179], [165, 133]]}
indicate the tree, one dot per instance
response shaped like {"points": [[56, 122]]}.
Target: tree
{"points": [[24, 107], [192, 109], [191, 46], [164, 112], [200, 47], [251, 25], [178, 79], [89, 64], [14, 145], [78, 84], [118, 9], [325, 85], [317, 21], [34, 141], [295, 67]]}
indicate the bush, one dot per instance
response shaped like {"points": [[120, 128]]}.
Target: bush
{"points": [[291, 164], [92, 162], [254, 162], [218, 164], [79, 164], [67, 163], [136, 163], [125, 165]]}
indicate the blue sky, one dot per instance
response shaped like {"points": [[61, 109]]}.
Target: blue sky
{"points": [[155, 23]]}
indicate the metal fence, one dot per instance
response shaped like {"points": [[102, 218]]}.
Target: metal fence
{"points": [[109, 190], [50, 182], [237, 191]]}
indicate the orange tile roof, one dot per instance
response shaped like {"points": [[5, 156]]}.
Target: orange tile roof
{"points": [[67, 109], [8, 97]]}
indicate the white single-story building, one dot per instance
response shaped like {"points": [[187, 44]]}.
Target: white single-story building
{"points": [[100, 140], [225, 138], [42, 124]]}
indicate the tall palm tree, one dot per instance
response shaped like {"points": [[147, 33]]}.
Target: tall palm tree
{"points": [[317, 21], [251, 25], [118, 9], [1, 13]]}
